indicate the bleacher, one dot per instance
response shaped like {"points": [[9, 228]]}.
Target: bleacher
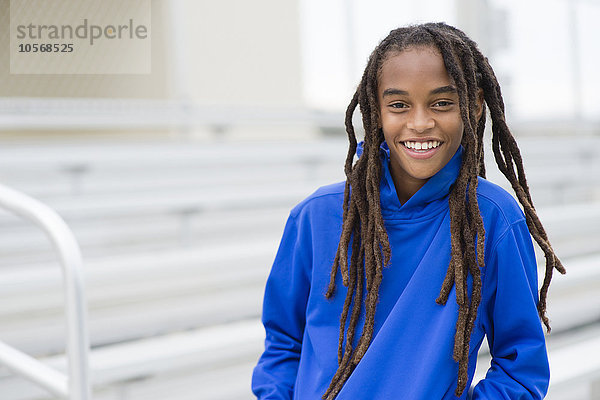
{"points": [[178, 238]]}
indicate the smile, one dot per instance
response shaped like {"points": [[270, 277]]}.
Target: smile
{"points": [[422, 147]]}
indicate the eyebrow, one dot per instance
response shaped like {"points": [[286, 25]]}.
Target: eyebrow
{"points": [[442, 89], [390, 92]]}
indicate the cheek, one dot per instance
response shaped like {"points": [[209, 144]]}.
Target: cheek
{"points": [[387, 126], [391, 124], [455, 130]]}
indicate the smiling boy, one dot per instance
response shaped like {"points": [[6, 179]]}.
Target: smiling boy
{"points": [[385, 285]]}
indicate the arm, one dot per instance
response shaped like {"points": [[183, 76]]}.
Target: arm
{"points": [[519, 367], [284, 305]]}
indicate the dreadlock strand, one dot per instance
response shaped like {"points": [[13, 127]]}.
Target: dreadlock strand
{"points": [[447, 284], [371, 302], [356, 308], [461, 322], [380, 237], [341, 256], [332, 275], [480, 149], [457, 220], [344, 354], [348, 221], [345, 310], [542, 301], [351, 134]]}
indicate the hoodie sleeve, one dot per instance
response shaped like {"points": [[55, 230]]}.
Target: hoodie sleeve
{"points": [[283, 317], [519, 368]]}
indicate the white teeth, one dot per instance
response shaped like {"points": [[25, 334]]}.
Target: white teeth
{"points": [[422, 145]]}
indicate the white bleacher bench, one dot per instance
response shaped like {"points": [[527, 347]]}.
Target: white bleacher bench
{"points": [[68, 114], [98, 159], [216, 348], [576, 368], [573, 229], [191, 200], [573, 299], [143, 295], [104, 237]]}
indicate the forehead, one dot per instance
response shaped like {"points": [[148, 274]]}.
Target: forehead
{"points": [[413, 67]]}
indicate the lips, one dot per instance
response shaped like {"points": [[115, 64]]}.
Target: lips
{"points": [[421, 149]]}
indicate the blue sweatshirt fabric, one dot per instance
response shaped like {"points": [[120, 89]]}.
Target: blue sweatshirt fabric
{"points": [[410, 356]]}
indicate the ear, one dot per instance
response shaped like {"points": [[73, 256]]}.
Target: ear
{"points": [[480, 100]]}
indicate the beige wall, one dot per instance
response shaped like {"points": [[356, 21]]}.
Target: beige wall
{"points": [[154, 85], [211, 52], [239, 51]]}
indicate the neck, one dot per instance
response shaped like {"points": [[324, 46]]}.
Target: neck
{"points": [[406, 185]]}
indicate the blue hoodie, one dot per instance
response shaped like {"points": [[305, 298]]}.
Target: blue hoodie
{"points": [[410, 356]]}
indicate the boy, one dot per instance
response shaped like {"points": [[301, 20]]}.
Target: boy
{"points": [[385, 285]]}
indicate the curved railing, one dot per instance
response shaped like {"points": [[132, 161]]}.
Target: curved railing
{"points": [[75, 385]]}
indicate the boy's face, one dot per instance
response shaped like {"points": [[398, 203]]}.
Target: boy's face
{"points": [[419, 115]]}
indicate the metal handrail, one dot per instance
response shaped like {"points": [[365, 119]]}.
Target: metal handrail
{"points": [[76, 385]]}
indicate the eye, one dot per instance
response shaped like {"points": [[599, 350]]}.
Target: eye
{"points": [[443, 103], [398, 105]]}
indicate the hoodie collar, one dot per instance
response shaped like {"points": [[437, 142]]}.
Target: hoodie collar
{"points": [[427, 201]]}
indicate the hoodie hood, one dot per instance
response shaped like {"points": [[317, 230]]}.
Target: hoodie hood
{"points": [[431, 199]]}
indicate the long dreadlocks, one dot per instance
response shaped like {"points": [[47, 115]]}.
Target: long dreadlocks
{"points": [[363, 224]]}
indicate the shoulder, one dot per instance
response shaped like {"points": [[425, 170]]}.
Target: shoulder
{"points": [[497, 204], [322, 202], [509, 248], [501, 214]]}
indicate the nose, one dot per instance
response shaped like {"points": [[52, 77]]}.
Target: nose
{"points": [[420, 121]]}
